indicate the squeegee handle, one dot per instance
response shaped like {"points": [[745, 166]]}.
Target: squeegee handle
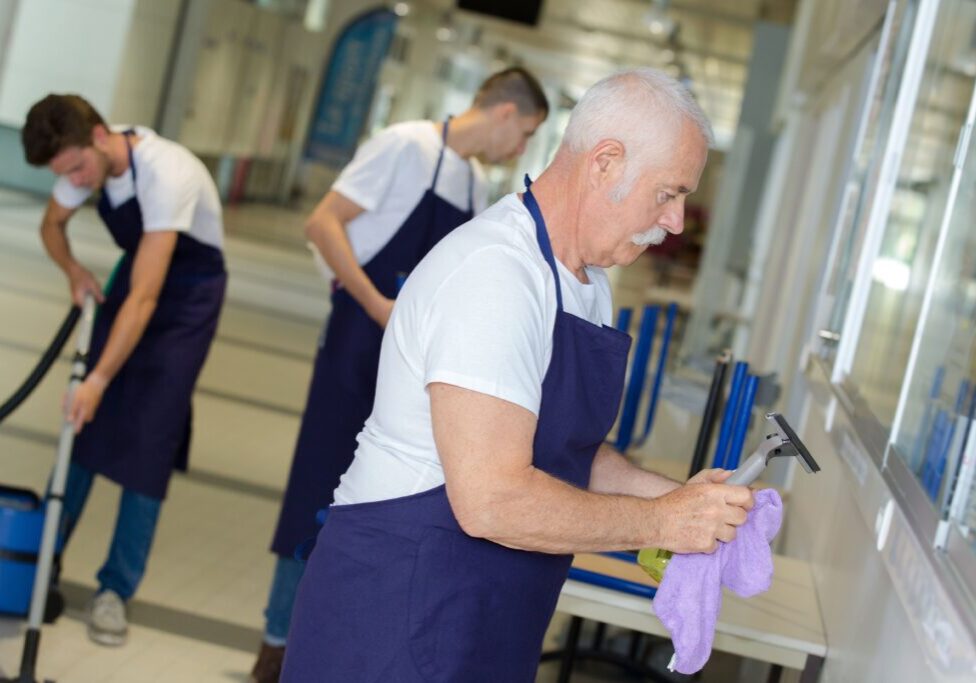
{"points": [[748, 471]]}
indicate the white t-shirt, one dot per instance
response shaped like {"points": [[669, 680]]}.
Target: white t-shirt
{"points": [[390, 173], [478, 313], [174, 189]]}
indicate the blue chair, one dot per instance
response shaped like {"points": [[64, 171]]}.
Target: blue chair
{"points": [[741, 424], [638, 372], [623, 319], [662, 360], [728, 416]]}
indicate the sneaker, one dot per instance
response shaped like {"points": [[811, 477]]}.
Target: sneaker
{"points": [[106, 619], [268, 667]]}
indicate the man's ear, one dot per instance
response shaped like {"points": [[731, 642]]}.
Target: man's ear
{"points": [[606, 163], [100, 137], [504, 111]]}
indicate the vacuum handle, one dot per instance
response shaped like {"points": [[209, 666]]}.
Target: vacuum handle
{"points": [[748, 471]]}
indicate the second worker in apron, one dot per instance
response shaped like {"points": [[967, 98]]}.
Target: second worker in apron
{"points": [[405, 189]]}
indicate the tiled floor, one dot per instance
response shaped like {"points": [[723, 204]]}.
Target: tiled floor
{"points": [[197, 616]]}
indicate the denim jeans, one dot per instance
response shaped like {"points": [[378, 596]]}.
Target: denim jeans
{"points": [[288, 572], [135, 526]]}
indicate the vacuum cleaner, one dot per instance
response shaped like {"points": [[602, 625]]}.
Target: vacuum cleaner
{"points": [[28, 527], [780, 442]]}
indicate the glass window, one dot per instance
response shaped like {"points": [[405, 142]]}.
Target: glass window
{"points": [[940, 399], [903, 267], [880, 106]]}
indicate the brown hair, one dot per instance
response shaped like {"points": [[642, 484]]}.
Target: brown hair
{"points": [[56, 123], [515, 85]]}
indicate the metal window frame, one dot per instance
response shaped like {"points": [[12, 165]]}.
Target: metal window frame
{"points": [[877, 220], [949, 552], [826, 300], [958, 162]]}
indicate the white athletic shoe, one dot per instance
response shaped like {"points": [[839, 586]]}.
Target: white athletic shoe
{"points": [[107, 624]]}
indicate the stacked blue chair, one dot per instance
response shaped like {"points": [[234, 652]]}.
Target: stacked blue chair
{"points": [[623, 319], [736, 418], [662, 360], [638, 371]]}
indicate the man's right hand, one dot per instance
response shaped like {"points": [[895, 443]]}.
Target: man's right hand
{"points": [[695, 517], [381, 311], [82, 282]]}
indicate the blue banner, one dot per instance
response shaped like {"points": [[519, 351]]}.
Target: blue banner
{"points": [[347, 90]]}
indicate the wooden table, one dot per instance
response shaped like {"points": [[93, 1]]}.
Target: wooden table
{"points": [[782, 626]]}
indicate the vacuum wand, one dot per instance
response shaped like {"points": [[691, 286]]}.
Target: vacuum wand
{"points": [[781, 442]]}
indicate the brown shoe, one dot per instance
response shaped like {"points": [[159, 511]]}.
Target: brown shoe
{"points": [[268, 667]]}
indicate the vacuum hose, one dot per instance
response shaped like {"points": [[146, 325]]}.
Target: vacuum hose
{"points": [[43, 365]]}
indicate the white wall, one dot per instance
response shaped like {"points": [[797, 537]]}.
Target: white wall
{"points": [[63, 46], [7, 9], [144, 64]]}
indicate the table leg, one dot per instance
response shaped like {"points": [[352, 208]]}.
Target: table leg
{"points": [[569, 654], [811, 672]]}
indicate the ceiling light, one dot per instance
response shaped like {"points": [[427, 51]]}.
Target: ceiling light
{"points": [[446, 32], [657, 20], [401, 9]]}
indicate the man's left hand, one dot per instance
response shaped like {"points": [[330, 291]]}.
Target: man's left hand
{"points": [[80, 407]]}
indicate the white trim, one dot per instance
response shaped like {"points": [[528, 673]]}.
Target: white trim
{"points": [[888, 175], [851, 189], [934, 271]]}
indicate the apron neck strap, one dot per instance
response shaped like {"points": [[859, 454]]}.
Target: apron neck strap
{"points": [[542, 237], [440, 158], [128, 145], [471, 187]]}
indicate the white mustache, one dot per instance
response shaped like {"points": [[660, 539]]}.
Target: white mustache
{"points": [[650, 237]]}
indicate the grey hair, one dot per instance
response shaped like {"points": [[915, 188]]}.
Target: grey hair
{"points": [[642, 108]]}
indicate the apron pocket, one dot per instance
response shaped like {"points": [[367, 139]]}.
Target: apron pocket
{"points": [[450, 608], [477, 610]]}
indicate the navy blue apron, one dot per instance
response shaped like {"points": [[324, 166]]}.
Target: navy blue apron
{"points": [[340, 396], [396, 591], [141, 430]]}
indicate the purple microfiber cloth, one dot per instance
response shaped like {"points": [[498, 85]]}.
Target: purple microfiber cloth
{"points": [[690, 596]]}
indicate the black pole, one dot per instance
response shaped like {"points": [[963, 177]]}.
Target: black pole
{"points": [[569, 654], [28, 659], [711, 413]]}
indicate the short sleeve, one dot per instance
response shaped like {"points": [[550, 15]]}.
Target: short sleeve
{"points": [[487, 329], [480, 187], [68, 195], [366, 179], [168, 197]]}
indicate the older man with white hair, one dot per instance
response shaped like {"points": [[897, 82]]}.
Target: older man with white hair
{"points": [[483, 466]]}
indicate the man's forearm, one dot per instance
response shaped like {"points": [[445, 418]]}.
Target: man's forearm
{"points": [[329, 236], [613, 473], [127, 329], [56, 245], [541, 513]]}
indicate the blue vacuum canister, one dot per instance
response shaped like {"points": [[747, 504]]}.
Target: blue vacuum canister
{"points": [[21, 524]]}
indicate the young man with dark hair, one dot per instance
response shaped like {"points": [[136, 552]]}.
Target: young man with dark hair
{"points": [[406, 188], [153, 330]]}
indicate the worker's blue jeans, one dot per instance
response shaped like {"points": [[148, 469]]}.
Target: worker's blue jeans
{"points": [[288, 572], [135, 527]]}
